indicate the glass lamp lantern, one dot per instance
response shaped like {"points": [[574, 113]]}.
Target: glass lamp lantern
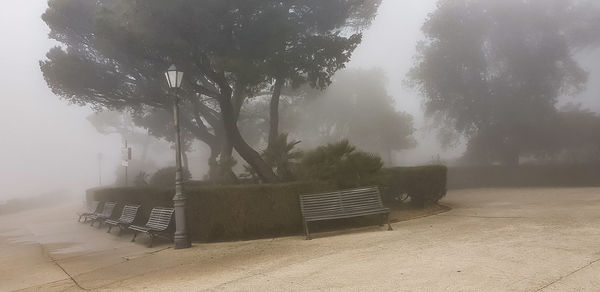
{"points": [[174, 77]]}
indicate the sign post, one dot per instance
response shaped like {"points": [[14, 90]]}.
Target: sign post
{"points": [[125, 157]]}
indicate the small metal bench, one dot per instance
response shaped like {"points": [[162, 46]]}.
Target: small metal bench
{"points": [[343, 204], [106, 213], [158, 223], [92, 207], [127, 216]]}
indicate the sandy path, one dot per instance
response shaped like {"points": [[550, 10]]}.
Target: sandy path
{"points": [[492, 240]]}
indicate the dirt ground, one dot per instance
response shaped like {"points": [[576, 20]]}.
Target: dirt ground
{"points": [[528, 239]]}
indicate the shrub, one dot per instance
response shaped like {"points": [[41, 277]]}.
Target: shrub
{"points": [[424, 184], [165, 177], [268, 210], [226, 212], [550, 175], [340, 163], [282, 156]]}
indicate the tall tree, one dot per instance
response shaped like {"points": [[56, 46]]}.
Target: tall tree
{"points": [[114, 54], [493, 69], [356, 107]]}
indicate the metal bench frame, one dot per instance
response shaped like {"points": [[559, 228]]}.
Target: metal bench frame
{"points": [[127, 217], [343, 204], [92, 208], [106, 213], [158, 223]]}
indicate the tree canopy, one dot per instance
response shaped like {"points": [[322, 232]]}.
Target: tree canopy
{"points": [[356, 107], [493, 70], [113, 55]]}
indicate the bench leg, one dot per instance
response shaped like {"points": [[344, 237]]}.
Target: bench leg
{"points": [[134, 236], [120, 230], [306, 231], [109, 228], [151, 239], [388, 221]]}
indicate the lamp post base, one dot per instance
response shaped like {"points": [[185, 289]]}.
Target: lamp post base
{"points": [[180, 238], [182, 242]]}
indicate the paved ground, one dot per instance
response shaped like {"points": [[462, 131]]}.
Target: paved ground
{"points": [[492, 240]]}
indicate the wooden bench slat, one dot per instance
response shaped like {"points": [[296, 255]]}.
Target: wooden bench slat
{"points": [[128, 215], [342, 204], [158, 222]]}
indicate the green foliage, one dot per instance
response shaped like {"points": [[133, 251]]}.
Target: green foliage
{"points": [[141, 179], [493, 70], [357, 107], [267, 210], [282, 156], [424, 185], [341, 163], [545, 175], [165, 177], [112, 54], [226, 212]]}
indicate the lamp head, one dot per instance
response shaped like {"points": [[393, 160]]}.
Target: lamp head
{"points": [[174, 77]]}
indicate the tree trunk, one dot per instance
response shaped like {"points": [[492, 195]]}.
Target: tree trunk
{"points": [[274, 112], [226, 162], [213, 166], [263, 170], [186, 162]]}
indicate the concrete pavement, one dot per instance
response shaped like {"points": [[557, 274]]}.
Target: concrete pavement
{"points": [[492, 240]]}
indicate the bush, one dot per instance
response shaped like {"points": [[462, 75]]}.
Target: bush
{"points": [[341, 164], [425, 185], [563, 175], [268, 210], [226, 212], [165, 177]]}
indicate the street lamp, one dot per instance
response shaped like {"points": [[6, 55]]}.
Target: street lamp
{"points": [[174, 78]]}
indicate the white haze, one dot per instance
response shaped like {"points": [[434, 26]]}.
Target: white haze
{"points": [[48, 145]]}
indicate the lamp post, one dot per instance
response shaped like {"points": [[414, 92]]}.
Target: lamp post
{"points": [[174, 78]]}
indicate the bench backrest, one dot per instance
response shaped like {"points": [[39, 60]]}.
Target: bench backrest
{"points": [[160, 218], [343, 201], [108, 209], [129, 213]]}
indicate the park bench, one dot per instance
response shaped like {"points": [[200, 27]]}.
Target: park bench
{"points": [[342, 204], [92, 207], [106, 213], [158, 223], [127, 216]]}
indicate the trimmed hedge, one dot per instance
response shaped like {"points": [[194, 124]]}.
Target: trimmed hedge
{"points": [[565, 175], [425, 185], [256, 211], [227, 212]]}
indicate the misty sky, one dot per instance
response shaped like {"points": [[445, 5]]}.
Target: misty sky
{"points": [[47, 144]]}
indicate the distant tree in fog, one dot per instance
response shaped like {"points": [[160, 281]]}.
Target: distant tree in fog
{"points": [[356, 107], [492, 70], [113, 55]]}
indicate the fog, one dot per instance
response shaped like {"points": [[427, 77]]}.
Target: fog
{"points": [[48, 144]]}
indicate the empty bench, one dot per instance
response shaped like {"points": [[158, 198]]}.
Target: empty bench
{"points": [[127, 217], [343, 204], [106, 213], [158, 223], [92, 207]]}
